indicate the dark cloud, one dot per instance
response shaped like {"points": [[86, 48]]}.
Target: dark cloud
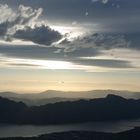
{"points": [[134, 38], [40, 34], [3, 29], [22, 65], [35, 52], [83, 52], [96, 41], [108, 63], [93, 43], [30, 52]]}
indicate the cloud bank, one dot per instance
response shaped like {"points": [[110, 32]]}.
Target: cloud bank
{"points": [[26, 23]]}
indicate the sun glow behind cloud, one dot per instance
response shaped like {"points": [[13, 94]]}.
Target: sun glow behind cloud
{"points": [[18, 63], [54, 65], [40, 64], [70, 31]]}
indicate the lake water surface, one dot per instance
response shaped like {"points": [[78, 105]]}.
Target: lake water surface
{"points": [[30, 130]]}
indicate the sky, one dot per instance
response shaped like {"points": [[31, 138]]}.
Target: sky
{"points": [[74, 45]]}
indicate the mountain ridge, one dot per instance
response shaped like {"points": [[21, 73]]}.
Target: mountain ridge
{"points": [[52, 96], [112, 107]]}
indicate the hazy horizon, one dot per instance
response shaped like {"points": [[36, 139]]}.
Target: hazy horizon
{"points": [[111, 91]]}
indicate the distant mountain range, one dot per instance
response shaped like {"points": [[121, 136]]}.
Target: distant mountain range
{"points": [[112, 107], [52, 96]]}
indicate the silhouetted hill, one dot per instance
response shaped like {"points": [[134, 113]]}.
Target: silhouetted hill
{"points": [[10, 110], [38, 102], [102, 109], [85, 135]]}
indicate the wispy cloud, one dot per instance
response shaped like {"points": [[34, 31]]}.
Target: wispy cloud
{"points": [[60, 62]]}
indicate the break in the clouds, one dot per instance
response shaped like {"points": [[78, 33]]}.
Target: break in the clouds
{"points": [[23, 24]]}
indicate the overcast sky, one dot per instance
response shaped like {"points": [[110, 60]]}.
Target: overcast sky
{"points": [[61, 45]]}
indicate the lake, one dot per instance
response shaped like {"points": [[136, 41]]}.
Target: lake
{"points": [[30, 130]]}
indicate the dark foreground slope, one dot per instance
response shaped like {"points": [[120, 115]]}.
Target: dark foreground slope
{"points": [[83, 135], [103, 109], [10, 110]]}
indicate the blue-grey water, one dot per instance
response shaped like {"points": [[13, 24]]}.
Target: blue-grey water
{"points": [[30, 130]]}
